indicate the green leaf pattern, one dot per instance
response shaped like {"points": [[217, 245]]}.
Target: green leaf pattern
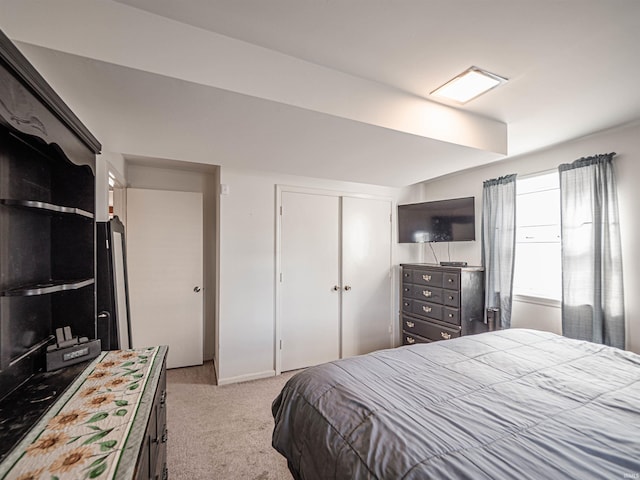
{"points": [[101, 431], [97, 417]]}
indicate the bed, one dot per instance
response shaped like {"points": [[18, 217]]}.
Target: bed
{"points": [[508, 404]]}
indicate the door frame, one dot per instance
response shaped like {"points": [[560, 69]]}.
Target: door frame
{"points": [[279, 190]]}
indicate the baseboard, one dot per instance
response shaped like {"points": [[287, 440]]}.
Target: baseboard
{"points": [[247, 377]]}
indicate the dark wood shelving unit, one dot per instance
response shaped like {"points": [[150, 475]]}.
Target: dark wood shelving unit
{"points": [[48, 263], [47, 236]]}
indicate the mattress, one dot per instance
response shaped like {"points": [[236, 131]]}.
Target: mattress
{"points": [[513, 403]]}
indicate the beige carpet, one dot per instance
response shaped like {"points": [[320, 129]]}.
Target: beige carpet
{"points": [[221, 432]]}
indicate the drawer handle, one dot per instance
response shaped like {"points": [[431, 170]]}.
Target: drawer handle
{"points": [[406, 304], [450, 280], [410, 324], [450, 297], [427, 293], [163, 398], [445, 335], [426, 309], [411, 340], [451, 315], [165, 435], [426, 278]]}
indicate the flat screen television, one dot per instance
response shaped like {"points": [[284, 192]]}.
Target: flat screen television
{"points": [[450, 220]]}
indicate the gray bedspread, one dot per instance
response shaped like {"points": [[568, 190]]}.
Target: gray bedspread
{"points": [[511, 404]]}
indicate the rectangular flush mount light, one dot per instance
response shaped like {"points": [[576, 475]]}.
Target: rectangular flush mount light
{"points": [[470, 84]]}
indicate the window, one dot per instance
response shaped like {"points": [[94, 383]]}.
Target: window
{"points": [[538, 264]]}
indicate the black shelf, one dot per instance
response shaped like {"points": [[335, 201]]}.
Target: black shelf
{"points": [[46, 207], [46, 288], [47, 231]]}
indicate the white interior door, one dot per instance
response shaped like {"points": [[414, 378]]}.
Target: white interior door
{"points": [[366, 275], [164, 260], [309, 260]]}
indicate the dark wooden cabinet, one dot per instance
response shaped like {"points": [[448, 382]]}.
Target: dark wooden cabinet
{"points": [[152, 462], [439, 303], [48, 273], [47, 232], [133, 435]]}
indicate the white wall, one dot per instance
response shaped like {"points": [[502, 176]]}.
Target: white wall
{"points": [[247, 268], [623, 141], [245, 330], [106, 162]]}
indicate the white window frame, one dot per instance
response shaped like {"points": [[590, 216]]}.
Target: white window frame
{"points": [[536, 189]]}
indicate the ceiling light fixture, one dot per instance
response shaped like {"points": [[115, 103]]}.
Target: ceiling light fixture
{"points": [[470, 84]]}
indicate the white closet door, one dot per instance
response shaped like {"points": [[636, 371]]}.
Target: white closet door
{"points": [[164, 260], [366, 274], [310, 307]]}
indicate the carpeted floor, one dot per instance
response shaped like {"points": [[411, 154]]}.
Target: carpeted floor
{"points": [[221, 432]]}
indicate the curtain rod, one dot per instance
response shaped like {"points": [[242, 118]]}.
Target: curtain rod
{"points": [[538, 173]]}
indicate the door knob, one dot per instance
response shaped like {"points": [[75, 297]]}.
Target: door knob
{"points": [[347, 287], [196, 289], [336, 288]]}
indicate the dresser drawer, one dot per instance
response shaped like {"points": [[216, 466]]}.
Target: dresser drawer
{"points": [[407, 275], [427, 330], [451, 280], [442, 333], [429, 294], [427, 277], [427, 309], [410, 339], [409, 324], [451, 298], [407, 304], [451, 315]]}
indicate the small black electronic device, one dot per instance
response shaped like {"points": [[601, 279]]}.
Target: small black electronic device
{"points": [[69, 349], [453, 264]]}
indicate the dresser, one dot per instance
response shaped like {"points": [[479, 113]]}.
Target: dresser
{"points": [[439, 303], [109, 423]]}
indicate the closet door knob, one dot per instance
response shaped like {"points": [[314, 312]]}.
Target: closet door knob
{"points": [[196, 289], [335, 288], [347, 288]]}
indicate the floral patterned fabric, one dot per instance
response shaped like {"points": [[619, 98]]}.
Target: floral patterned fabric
{"points": [[85, 434]]}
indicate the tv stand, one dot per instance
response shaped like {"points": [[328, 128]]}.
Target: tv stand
{"points": [[453, 264]]}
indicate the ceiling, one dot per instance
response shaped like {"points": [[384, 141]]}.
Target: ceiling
{"points": [[334, 89]]}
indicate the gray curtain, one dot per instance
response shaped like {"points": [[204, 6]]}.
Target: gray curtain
{"points": [[499, 243], [592, 292]]}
